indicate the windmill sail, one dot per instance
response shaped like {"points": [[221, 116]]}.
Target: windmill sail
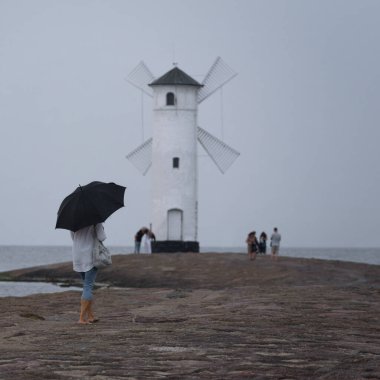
{"points": [[141, 157], [140, 77], [222, 154], [219, 74]]}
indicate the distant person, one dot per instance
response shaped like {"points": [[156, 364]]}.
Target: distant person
{"points": [[83, 244], [252, 245], [146, 242], [138, 237], [263, 243], [275, 243]]}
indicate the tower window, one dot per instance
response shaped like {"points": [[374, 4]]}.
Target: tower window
{"points": [[170, 99], [176, 162]]}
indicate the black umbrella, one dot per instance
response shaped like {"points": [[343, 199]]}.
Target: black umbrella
{"points": [[90, 204]]}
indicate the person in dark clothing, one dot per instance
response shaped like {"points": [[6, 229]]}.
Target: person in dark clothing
{"points": [[253, 245], [263, 243]]}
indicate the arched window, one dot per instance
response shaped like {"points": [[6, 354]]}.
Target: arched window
{"points": [[170, 99], [176, 162]]}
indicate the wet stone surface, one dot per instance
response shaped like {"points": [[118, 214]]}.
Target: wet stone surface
{"points": [[222, 317]]}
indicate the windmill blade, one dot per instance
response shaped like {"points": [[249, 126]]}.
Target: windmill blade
{"points": [[219, 74], [141, 157], [140, 77], [222, 154]]}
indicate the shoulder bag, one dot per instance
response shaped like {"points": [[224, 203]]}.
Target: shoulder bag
{"points": [[101, 255]]}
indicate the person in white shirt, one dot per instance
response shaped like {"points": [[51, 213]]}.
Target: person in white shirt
{"points": [[146, 242], [83, 244], [146, 246], [275, 243]]}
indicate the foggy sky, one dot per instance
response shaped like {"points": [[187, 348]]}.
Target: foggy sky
{"points": [[303, 112]]}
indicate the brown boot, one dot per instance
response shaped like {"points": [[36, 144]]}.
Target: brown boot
{"points": [[84, 304], [91, 318]]}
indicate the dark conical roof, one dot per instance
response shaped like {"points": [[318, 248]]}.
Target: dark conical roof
{"points": [[175, 77]]}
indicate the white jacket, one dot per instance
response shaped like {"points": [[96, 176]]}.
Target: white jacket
{"points": [[83, 243]]}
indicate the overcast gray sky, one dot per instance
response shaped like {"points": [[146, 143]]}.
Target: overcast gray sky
{"points": [[303, 112]]}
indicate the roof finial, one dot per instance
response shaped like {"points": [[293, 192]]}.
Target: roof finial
{"points": [[175, 64]]}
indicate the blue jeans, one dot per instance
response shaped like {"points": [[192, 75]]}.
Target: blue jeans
{"points": [[88, 283], [137, 246]]}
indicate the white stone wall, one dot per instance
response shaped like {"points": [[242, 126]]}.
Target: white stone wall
{"points": [[174, 135]]}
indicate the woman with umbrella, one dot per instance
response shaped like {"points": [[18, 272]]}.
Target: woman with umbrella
{"points": [[83, 212], [83, 243]]}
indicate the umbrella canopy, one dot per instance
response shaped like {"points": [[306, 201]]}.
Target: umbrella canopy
{"points": [[90, 204]]}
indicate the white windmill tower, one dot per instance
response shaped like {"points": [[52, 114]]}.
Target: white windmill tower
{"points": [[172, 151]]}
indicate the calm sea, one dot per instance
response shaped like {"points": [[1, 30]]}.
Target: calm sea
{"points": [[16, 257]]}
